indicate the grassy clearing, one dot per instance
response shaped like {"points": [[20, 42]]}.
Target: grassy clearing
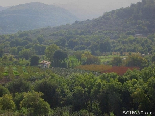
{"points": [[109, 58]]}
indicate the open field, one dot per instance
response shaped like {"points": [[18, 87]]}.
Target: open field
{"points": [[108, 58]]}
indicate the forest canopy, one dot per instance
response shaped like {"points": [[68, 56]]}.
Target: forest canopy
{"points": [[99, 67]]}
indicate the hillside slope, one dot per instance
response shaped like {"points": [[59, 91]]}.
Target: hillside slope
{"points": [[137, 19], [113, 32], [1, 8], [31, 16], [90, 9]]}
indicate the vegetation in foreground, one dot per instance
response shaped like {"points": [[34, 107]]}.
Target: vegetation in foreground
{"points": [[30, 90]]}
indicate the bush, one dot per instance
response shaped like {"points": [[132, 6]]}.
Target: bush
{"points": [[3, 90], [18, 85], [35, 105], [6, 102]]}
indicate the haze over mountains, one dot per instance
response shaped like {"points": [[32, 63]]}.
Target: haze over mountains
{"points": [[137, 19], [93, 9], [32, 16], [83, 9], [38, 15]]}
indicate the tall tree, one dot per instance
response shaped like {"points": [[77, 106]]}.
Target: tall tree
{"points": [[26, 53], [6, 102], [1, 52], [34, 61], [59, 58], [116, 61], [35, 104], [136, 60], [50, 50]]}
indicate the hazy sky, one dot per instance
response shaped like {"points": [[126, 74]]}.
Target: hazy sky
{"points": [[96, 3], [16, 2], [84, 9]]}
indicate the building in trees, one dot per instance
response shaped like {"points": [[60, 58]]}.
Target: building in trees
{"points": [[44, 64]]}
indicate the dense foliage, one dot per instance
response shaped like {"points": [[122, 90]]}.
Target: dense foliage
{"points": [[40, 91], [102, 67]]}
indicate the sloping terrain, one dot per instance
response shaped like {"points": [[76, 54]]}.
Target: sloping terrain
{"points": [[137, 19], [3, 8], [33, 15]]}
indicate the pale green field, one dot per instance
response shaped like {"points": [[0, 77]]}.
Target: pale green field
{"points": [[109, 58]]}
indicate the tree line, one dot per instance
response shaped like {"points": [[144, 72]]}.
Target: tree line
{"points": [[42, 92]]}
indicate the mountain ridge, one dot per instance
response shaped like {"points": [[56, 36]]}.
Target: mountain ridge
{"points": [[33, 15], [3, 8], [138, 18], [94, 9]]}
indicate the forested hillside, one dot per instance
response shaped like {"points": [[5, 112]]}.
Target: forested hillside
{"points": [[138, 18], [32, 16], [80, 36]]}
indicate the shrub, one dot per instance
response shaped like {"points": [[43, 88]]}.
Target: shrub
{"points": [[6, 102]]}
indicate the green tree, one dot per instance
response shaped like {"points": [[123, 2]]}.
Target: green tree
{"points": [[50, 50], [78, 55], [79, 98], [72, 62], [72, 43], [109, 96], [26, 53], [18, 97], [80, 47], [94, 47], [59, 59], [39, 49], [3, 90], [18, 85], [143, 101], [90, 59], [49, 88], [15, 42], [1, 53], [81, 86], [6, 102], [35, 104], [13, 51], [105, 46], [19, 49], [60, 55], [24, 43], [153, 58], [116, 61], [61, 42], [40, 39], [151, 94], [34, 61], [136, 61]]}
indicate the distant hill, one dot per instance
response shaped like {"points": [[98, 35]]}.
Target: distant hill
{"points": [[32, 16], [2, 8], [137, 19], [90, 9], [129, 29]]}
